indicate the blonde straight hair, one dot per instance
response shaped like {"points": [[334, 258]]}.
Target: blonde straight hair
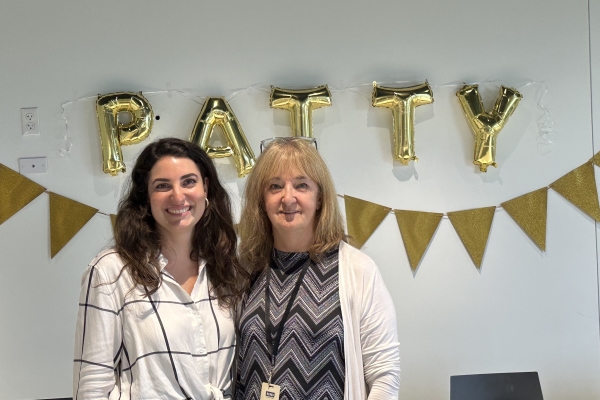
{"points": [[286, 156]]}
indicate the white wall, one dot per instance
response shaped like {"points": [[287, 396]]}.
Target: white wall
{"points": [[525, 310]]}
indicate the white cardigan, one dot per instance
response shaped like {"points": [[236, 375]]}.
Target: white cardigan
{"points": [[371, 348]]}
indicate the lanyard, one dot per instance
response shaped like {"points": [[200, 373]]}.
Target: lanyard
{"points": [[273, 343]]}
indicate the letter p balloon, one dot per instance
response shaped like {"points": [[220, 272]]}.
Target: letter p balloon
{"points": [[114, 134]]}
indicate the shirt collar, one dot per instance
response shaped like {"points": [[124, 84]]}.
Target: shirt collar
{"points": [[162, 263]]}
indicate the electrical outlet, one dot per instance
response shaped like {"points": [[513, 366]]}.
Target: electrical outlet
{"points": [[30, 124], [33, 165]]}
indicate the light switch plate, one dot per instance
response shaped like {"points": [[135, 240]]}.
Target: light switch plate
{"points": [[33, 165]]}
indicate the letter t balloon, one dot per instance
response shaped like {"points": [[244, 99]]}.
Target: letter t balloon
{"points": [[300, 104], [402, 102]]}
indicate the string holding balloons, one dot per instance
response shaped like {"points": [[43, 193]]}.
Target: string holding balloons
{"points": [[114, 134], [402, 102], [487, 125]]}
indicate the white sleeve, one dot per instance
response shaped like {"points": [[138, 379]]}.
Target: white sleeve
{"points": [[98, 339], [379, 338]]}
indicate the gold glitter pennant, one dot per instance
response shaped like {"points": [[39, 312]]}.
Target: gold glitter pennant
{"points": [[596, 159], [67, 217], [113, 221], [579, 187], [417, 229], [529, 212], [473, 228], [16, 192], [362, 218]]}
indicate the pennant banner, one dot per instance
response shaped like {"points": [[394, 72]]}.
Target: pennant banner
{"points": [[16, 192], [473, 228], [579, 187], [362, 218], [67, 217], [417, 229], [529, 212]]}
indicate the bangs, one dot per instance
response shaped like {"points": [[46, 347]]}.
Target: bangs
{"points": [[288, 161]]}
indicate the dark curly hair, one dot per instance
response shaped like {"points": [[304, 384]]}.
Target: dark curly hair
{"points": [[138, 242]]}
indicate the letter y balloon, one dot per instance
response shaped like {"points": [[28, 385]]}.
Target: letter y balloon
{"points": [[487, 125]]}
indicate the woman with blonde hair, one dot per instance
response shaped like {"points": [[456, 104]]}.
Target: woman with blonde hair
{"points": [[317, 322]]}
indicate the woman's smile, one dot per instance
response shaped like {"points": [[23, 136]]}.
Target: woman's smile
{"points": [[178, 210]]}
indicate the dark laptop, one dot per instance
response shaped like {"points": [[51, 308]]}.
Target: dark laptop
{"points": [[505, 386]]}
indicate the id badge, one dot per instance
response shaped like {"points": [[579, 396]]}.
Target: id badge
{"points": [[269, 392]]}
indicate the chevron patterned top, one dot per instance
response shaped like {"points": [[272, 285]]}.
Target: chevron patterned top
{"points": [[310, 361]]}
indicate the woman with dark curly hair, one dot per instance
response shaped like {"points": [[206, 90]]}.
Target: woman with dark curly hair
{"points": [[155, 311]]}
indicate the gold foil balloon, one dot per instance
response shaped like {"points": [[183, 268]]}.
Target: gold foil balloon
{"points": [[216, 112], [487, 125], [114, 134], [402, 102], [300, 104]]}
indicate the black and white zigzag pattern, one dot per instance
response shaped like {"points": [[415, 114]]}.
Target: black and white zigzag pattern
{"points": [[310, 361]]}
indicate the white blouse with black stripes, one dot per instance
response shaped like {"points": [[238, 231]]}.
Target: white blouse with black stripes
{"points": [[169, 346]]}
